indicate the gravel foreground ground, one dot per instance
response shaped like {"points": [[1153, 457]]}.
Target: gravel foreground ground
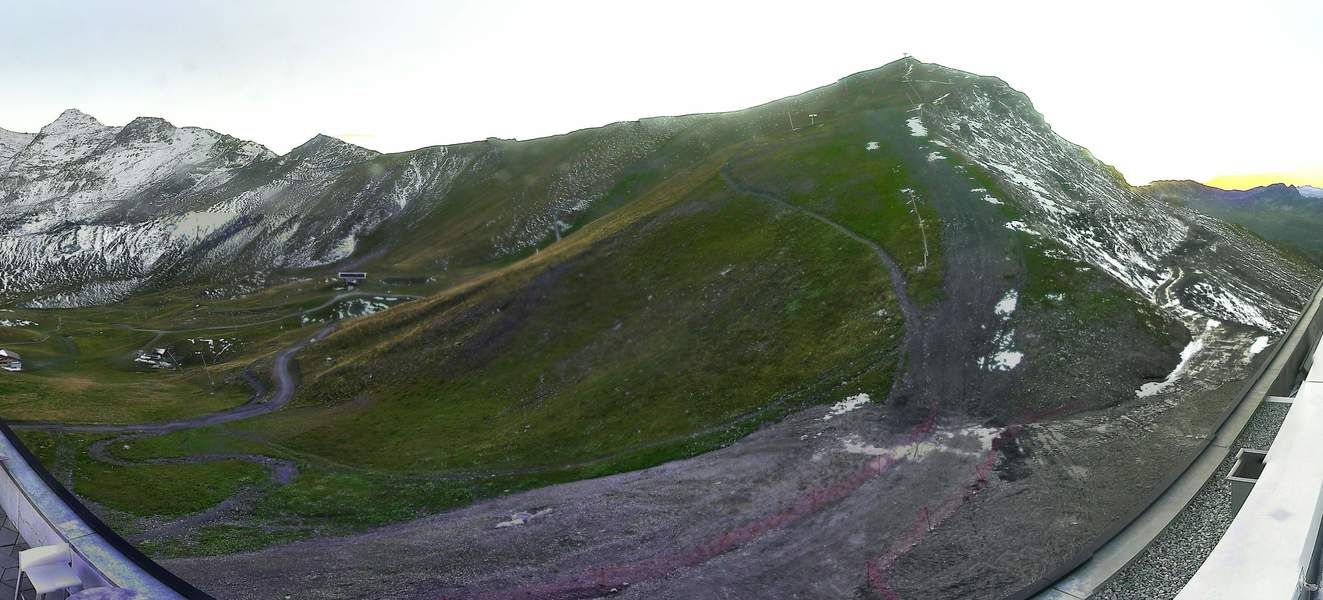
{"points": [[1176, 554], [793, 511]]}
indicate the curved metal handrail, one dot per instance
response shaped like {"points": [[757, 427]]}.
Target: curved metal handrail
{"points": [[45, 512]]}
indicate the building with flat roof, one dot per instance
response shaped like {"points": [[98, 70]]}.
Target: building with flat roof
{"points": [[10, 360]]}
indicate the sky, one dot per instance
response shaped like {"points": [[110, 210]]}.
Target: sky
{"points": [[1222, 92]]}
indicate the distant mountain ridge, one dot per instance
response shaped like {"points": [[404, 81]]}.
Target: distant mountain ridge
{"points": [[11, 142], [89, 213], [1282, 191], [1287, 214], [93, 212]]}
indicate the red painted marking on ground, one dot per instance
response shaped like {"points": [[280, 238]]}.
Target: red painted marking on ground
{"points": [[877, 569], [602, 580]]}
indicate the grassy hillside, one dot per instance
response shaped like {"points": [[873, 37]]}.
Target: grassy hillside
{"points": [[729, 270]]}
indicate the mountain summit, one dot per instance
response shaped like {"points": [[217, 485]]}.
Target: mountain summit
{"points": [[324, 151], [71, 120]]}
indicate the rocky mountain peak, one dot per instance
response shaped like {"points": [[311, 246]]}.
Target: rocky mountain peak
{"points": [[326, 151], [69, 121], [146, 129], [323, 142]]}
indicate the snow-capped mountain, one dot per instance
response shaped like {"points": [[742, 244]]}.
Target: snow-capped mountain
{"points": [[1182, 259], [11, 142], [1310, 191], [96, 207], [90, 212]]}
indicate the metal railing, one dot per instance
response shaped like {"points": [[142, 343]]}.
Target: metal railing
{"points": [[45, 512]]}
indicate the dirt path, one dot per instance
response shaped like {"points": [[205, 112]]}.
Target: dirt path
{"points": [[328, 303], [913, 338], [280, 471], [256, 405], [898, 283]]}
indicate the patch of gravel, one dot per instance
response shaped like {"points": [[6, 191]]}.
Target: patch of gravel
{"points": [[1174, 556]]}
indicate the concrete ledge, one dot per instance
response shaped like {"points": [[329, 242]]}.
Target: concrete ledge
{"points": [[46, 513], [1269, 547], [1085, 574]]}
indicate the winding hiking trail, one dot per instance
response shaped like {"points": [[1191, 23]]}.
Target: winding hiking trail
{"points": [[256, 405], [914, 339], [280, 471], [326, 304], [898, 282]]}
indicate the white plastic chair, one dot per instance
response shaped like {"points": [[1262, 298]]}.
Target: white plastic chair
{"points": [[49, 568]]}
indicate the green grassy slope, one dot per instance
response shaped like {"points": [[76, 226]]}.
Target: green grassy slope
{"points": [[670, 326], [677, 313], [636, 340]]}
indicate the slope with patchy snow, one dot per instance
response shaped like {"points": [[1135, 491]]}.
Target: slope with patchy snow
{"points": [[11, 142], [92, 212], [1068, 196]]}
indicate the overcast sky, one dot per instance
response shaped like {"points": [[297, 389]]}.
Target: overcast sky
{"points": [[1201, 90]]}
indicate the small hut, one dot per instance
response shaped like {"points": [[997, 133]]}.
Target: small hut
{"points": [[10, 360]]}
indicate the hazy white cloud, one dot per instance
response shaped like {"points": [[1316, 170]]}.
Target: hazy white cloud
{"points": [[1160, 89]]}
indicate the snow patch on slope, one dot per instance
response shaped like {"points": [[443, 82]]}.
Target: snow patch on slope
{"points": [[1021, 227], [1066, 195], [1004, 356], [847, 405], [97, 293], [1260, 344], [1187, 354], [916, 127]]}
